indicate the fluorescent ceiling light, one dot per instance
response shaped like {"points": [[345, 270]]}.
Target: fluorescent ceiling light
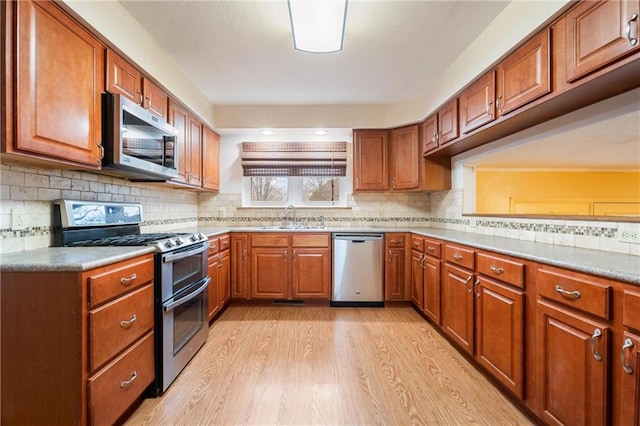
{"points": [[267, 132], [320, 132], [318, 25]]}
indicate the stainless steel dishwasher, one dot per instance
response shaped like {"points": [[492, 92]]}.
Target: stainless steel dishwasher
{"points": [[358, 269]]}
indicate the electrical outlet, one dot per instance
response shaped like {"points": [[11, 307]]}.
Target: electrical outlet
{"points": [[630, 234], [17, 218]]}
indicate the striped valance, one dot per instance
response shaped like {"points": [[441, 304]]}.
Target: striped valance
{"points": [[294, 158]]}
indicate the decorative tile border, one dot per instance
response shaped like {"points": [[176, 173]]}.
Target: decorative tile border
{"points": [[592, 231]]}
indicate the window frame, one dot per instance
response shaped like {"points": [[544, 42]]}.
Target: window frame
{"points": [[294, 194]]}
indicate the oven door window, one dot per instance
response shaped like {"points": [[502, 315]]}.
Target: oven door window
{"points": [[187, 271], [187, 321]]}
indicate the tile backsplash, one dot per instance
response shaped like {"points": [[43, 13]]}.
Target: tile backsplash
{"points": [[168, 208]]}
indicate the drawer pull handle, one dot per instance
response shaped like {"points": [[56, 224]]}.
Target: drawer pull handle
{"points": [[431, 248], [220, 261], [399, 241], [495, 270], [632, 40], [126, 281], [466, 283], [596, 333], [457, 257], [475, 288], [126, 383], [127, 324], [575, 294], [628, 343]]}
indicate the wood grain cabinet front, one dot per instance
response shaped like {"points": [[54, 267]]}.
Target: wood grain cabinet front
{"points": [[370, 160], [397, 266], [629, 371], [76, 355], [219, 270], [52, 84]]}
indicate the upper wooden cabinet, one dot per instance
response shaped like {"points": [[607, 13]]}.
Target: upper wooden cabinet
{"points": [[478, 103], [189, 144], [440, 128], [210, 159], [52, 85], [125, 79], [598, 33], [370, 160], [525, 75], [406, 158]]}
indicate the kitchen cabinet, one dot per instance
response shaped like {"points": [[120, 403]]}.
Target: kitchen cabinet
{"points": [[290, 266], [397, 266], [370, 160], [405, 157], [210, 159], [572, 348], [525, 75], [457, 296], [630, 359], [52, 84], [477, 103], [240, 266], [440, 128], [124, 79], [599, 33], [417, 274], [219, 272], [189, 144], [79, 349], [432, 266]]}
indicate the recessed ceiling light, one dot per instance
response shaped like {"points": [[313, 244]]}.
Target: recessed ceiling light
{"points": [[267, 132], [320, 132]]}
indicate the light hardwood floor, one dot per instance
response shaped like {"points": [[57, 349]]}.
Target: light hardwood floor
{"points": [[330, 366]]}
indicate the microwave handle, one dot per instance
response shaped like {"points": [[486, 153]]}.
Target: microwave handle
{"points": [[166, 140], [188, 297]]}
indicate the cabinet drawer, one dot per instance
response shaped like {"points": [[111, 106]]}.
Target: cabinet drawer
{"points": [[310, 240], [214, 245], [108, 282], [114, 326], [631, 309], [113, 389], [433, 248], [460, 256], [501, 269], [417, 243], [224, 242], [575, 290], [395, 239], [269, 240]]}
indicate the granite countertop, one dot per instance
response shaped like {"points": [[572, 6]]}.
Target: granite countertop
{"points": [[616, 266]]}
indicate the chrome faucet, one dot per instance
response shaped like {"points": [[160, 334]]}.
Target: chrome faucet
{"points": [[286, 221]]}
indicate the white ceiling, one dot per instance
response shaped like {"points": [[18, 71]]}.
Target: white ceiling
{"points": [[240, 52]]}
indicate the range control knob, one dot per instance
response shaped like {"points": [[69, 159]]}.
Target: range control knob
{"points": [[202, 236], [194, 238], [169, 244], [179, 241]]}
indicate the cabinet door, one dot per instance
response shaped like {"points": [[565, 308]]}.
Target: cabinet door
{"points": [[61, 78], [597, 34], [179, 118], [457, 306], [405, 158], [370, 160], [432, 288], [448, 122], [214, 284], [269, 273], [417, 279], [240, 266], [572, 367], [123, 78], [311, 273], [477, 103], [499, 332], [210, 159], [525, 75], [224, 276], [194, 157], [429, 134], [156, 100], [394, 274], [630, 401]]}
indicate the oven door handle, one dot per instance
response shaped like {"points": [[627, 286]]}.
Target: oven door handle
{"points": [[181, 255], [188, 297]]}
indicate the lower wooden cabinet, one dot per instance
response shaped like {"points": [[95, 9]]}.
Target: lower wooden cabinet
{"points": [[629, 371], [457, 306], [397, 267], [573, 365], [417, 279], [432, 288], [219, 270], [79, 349], [311, 273], [240, 266]]}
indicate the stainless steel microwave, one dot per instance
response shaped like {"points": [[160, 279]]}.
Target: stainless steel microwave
{"points": [[138, 145]]}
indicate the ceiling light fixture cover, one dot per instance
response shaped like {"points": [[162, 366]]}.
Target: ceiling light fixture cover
{"points": [[318, 25], [267, 132], [320, 132]]}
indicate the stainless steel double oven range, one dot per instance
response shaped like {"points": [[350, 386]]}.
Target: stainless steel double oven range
{"points": [[181, 281]]}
